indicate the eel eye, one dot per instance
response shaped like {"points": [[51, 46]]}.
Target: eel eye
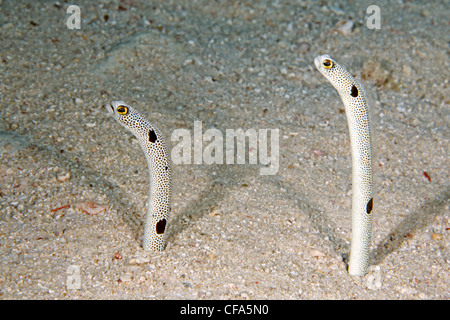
{"points": [[122, 110], [327, 63]]}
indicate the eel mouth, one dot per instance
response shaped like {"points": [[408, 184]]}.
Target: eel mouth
{"points": [[109, 108], [317, 62]]}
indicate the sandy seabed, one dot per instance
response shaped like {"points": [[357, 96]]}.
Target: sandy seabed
{"points": [[233, 233]]}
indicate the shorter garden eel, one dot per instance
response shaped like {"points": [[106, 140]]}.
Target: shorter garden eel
{"points": [[159, 165], [357, 111]]}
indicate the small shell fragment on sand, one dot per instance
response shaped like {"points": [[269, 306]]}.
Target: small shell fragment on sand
{"points": [[318, 152], [316, 253], [60, 208], [344, 27], [337, 10], [125, 277], [91, 208], [63, 176]]}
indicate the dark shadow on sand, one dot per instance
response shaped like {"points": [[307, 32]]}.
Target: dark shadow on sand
{"points": [[415, 221]]}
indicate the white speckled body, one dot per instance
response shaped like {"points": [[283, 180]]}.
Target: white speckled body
{"points": [[356, 109], [152, 142]]}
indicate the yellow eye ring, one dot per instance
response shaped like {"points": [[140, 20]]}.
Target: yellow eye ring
{"points": [[327, 63], [122, 110]]}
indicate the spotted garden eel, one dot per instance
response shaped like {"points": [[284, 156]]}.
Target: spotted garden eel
{"points": [[357, 111], [159, 166]]}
